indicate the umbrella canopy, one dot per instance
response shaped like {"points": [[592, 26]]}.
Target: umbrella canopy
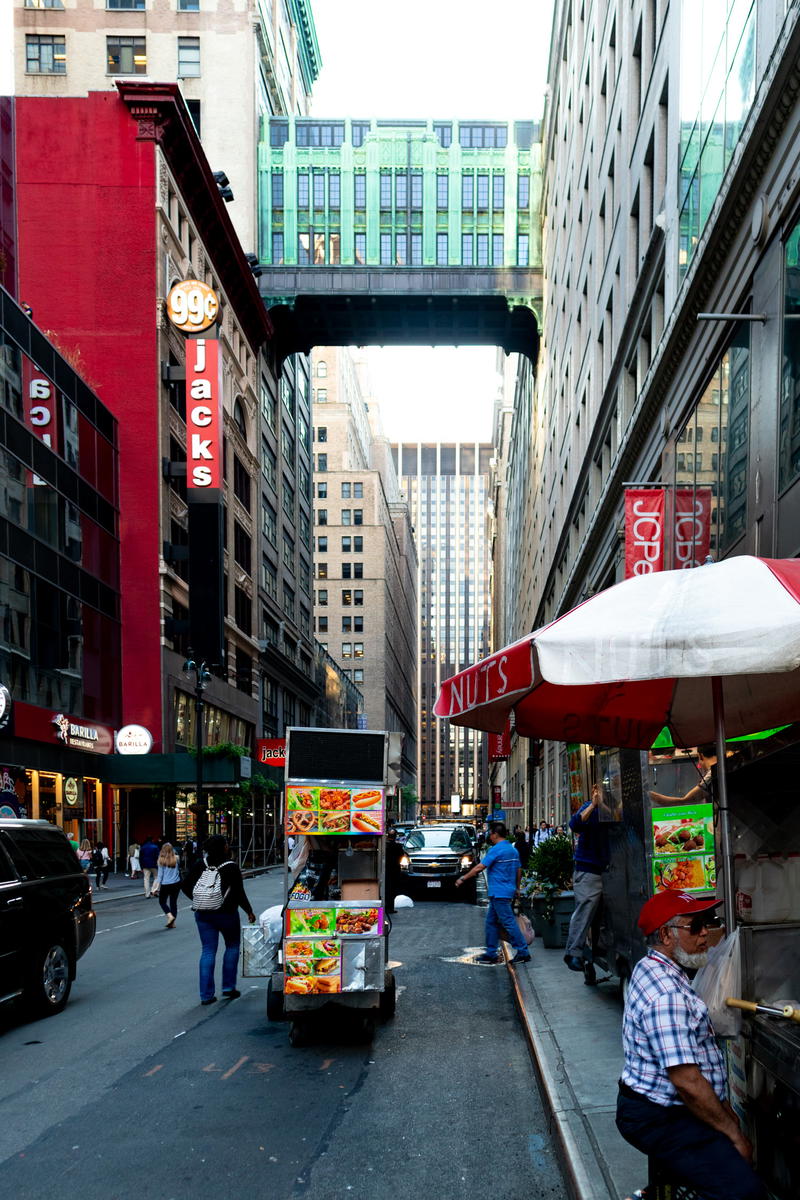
{"points": [[640, 656]]}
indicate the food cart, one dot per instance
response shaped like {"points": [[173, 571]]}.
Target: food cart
{"points": [[334, 948]]}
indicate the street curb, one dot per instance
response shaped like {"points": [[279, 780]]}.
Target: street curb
{"points": [[584, 1168], [132, 894]]}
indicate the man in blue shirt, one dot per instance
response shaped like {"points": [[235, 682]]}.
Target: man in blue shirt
{"points": [[591, 860], [503, 875]]}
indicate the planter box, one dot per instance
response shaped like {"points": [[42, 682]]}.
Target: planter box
{"points": [[553, 933]]}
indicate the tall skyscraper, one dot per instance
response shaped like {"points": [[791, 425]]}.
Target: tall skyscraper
{"points": [[447, 487]]}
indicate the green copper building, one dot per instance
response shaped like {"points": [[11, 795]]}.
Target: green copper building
{"points": [[372, 193]]}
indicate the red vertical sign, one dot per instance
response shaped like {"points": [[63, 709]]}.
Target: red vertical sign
{"points": [[500, 745], [692, 526], [203, 414], [644, 531], [41, 414]]}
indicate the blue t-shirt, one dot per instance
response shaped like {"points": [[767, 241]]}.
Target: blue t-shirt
{"points": [[502, 863]]}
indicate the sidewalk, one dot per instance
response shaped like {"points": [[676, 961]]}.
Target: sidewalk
{"points": [[120, 887], [575, 1034]]}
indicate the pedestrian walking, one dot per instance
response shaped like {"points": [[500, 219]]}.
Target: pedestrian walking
{"points": [[672, 1102], [522, 847], [106, 866], [591, 857], [85, 855], [216, 889], [542, 833], [99, 866], [134, 866], [148, 858], [504, 876], [169, 883]]}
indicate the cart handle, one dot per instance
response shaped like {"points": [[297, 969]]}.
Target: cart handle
{"points": [[786, 1010]]}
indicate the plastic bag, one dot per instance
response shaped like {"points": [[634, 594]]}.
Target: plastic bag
{"points": [[525, 928], [271, 921], [719, 978], [403, 902], [299, 853]]}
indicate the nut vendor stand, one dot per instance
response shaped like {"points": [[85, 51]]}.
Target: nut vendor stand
{"points": [[334, 948]]}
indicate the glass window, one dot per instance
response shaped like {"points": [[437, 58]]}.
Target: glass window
{"points": [[322, 491], [277, 189], [322, 369], [126, 56], [188, 57], [358, 596], [346, 545], [302, 189], [346, 516], [346, 491], [386, 249], [347, 597], [322, 544], [497, 249], [358, 490], [188, 5], [347, 623], [483, 192], [416, 249], [358, 675], [303, 250], [498, 191], [360, 248], [269, 522], [322, 433], [386, 190], [358, 516], [483, 249], [442, 191], [45, 54], [401, 190], [322, 624], [416, 190], [360, 190], [467, 191], [322, 570], [322, 462], [347, 649], [346, 570], [277, 249], [441, 249], [322, 395], [401, 249], [334, 190], [360, 130], [135, 4], [322, 597], [466, 249], [358, 649], [358, 545], [319, 190], [322, 516], [789, 444], [269, 578], [358, 570], [523, 259], [523, 191]]}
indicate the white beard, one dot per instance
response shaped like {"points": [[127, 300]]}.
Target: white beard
{"points": [[691, 962]]}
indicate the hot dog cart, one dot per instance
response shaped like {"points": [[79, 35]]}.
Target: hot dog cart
{"points": [[334, 948]]}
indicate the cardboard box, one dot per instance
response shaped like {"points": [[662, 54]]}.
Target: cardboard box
{"points": [[360, 889]]}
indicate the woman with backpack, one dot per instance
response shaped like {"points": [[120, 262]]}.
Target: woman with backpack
{"points": [[100, 866], [216, 889], [169, 883]]}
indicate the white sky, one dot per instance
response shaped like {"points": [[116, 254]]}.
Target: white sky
{"points": [[456, 59]]}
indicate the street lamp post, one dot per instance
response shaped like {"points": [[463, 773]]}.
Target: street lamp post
{"points": [[202, 675]]}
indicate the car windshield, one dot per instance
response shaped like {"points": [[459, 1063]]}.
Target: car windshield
{"points": [[439, 839]]}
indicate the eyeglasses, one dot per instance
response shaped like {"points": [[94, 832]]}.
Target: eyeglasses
{"points": [[699, 923]]}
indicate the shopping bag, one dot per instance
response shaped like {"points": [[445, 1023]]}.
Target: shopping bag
{"points": [[525, 928], [719, 978]]}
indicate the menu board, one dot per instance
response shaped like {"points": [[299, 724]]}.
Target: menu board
{"points": [[334, 810], [683, 848], [312, 966], [360, 919]]}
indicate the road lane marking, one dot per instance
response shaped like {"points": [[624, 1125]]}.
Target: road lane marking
{"points": [[261, 1068], [147, 1074], [328, 1062], [236, 1066]]}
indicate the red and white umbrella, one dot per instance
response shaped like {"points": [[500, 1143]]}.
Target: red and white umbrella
{"points": [[712, 652]]}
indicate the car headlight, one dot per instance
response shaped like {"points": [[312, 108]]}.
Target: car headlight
{"points": [[466, 860], [405, 863]]}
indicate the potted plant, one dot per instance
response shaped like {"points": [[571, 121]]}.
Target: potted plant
{"points": [[548, 884]]}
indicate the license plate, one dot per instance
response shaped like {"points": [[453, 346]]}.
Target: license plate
{"points": [[434, 883]]}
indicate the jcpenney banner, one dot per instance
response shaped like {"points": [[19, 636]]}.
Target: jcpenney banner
{"points": [[644, 530], [500, 745], [204, 413], [692, 526]]}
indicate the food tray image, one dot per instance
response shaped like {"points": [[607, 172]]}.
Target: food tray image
{"points": [[354, 919], [312, 966], [334, 810], [692, 874]]}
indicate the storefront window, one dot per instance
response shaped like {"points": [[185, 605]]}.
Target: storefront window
{"points": [[712, 461], [789, 447]]}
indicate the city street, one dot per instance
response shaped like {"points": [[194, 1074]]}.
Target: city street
{"points": [[135, 1090]]}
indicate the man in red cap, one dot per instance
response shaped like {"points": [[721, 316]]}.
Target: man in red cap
{"points": [[673, 1102]]}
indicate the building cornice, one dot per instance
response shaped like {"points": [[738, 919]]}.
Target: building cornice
{"points": [[162, 117]]}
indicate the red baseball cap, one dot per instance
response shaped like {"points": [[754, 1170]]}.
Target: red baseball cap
{"points": [[662, 907]]}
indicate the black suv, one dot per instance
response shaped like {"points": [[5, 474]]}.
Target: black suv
{"points": [[46, 916], [435, 856]]}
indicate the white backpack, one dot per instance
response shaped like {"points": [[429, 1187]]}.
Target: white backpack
{"points": [[207, 892]]}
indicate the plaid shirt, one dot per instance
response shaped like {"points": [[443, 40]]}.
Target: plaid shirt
{"points": [[666, 1024]]}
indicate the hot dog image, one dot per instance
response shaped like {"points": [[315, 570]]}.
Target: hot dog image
{"points": [[364, 822], [370, 799], [299, 985]]}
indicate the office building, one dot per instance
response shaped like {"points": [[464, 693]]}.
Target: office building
{"points": [[447, 487], [365, 603]]}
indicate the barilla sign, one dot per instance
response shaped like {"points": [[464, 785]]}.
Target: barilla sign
{"points": [[134, 739], [271, 751]]}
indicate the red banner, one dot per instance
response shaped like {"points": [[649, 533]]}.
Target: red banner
{"points": [[58, 728], [203, 414], [41, 411], [500, 745], [271, 751], [499, 677], [644, 531], [692, 526]]}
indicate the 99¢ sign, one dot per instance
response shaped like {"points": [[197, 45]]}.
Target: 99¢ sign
{"points": [[192, 306]]}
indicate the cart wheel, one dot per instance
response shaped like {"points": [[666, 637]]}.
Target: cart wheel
{"points": [[388, 1003], [298, 1034], [275, 1009]]}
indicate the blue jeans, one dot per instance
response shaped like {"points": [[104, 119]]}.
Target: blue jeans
{"points": [[210, 925], [689, 1150], [500, 915]]}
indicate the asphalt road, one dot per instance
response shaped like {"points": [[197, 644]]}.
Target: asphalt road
{"points": [[136, 1092]]}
